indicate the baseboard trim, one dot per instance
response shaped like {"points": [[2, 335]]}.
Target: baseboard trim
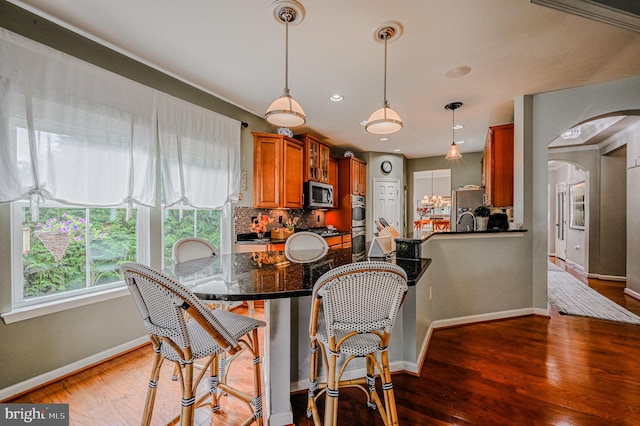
{"points": [[452, 322], [607, 277], [74, 367], [632, 293]]}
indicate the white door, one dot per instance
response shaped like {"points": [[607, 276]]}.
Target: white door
{"points": [[561, 221], [387, 202]]}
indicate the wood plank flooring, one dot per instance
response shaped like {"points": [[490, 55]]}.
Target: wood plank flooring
{"points": [[531, 370]]}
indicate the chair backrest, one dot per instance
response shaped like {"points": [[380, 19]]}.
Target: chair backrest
{"points": [[359, 297], [305, 246], [161, 303], [191, 248]]}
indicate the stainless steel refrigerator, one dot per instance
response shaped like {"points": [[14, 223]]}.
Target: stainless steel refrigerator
{"points": [[464, 200]]}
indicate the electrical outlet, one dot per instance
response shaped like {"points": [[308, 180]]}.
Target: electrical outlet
{"points": [[279, 219], [318, 218]]}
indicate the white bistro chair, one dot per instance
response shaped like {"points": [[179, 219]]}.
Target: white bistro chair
{"points": [[206, 334], [304, 247], [353, 311], [191, 248]]}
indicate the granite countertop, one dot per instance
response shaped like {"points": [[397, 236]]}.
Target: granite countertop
{"points": [[270, 275], [252, 238]]}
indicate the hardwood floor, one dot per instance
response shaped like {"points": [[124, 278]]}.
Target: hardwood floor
{"points": [[532, 370]]}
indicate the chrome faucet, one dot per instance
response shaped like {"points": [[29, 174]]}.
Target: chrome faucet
{"points": [[473, 218]]}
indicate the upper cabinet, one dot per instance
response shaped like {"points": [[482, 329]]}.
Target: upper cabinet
{"points": [[353, 175], [277, 171], [316, 159], [497, 166], [333, 179]]}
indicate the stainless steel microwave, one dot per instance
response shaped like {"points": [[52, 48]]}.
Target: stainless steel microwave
{"points": [[318, 195]]}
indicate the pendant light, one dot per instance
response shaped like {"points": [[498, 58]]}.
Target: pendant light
{"points": [[285, 111], [384, 121], [454, 152]]}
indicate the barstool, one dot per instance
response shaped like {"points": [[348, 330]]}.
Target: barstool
{"points": [[353, 311], [207, 334]]}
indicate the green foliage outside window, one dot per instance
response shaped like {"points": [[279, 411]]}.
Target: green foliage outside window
{"points": [[108, 238], [195, 223]]}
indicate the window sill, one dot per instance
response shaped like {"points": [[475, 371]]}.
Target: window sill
{"points": [[29, 312]]}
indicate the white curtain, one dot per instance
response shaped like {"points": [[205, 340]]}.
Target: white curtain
{"points": [[200, 155], [71, 131]]}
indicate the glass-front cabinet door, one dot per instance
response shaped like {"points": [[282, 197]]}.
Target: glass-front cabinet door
{"points": [[313, 157], [324, 163]]}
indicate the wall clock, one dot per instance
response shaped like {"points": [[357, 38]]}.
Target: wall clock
{"points": [[386, 166]]}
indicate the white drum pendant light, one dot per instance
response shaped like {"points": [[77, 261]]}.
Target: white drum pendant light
{"points": [[384, 121], [454, 152], [285, 111]]}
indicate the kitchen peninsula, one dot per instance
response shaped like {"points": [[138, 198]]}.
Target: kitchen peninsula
{"points": [[286, 288]]}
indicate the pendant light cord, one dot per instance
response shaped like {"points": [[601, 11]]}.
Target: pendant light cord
{"points": [[453, 125], [286, 53], [386, 37]]}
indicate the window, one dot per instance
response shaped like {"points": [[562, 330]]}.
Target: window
{"points": [[195, 223], [577, 212], [70, 250]]}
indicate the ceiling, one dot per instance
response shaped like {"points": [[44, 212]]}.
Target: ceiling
{"points": [[234, 49]]}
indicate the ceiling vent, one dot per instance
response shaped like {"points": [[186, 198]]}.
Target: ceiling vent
{"points": [[621, 13]]}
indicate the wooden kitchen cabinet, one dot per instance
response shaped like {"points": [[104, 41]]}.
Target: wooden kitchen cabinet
{"points": [[316, 159], [333, 179], [356, 172], [277, 171], [497, 166]]}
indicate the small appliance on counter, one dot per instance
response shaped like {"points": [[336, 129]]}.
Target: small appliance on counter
{"points": [[498, 221]]}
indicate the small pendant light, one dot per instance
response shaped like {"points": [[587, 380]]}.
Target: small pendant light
{"points": [[384, 121], [454, 152], [285, 111]]}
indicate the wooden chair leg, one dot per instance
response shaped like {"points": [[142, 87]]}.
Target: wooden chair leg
{"points": [[153, 384], [188, 395], [332, 392], [387, 389], [312, 408], [257, 379]]}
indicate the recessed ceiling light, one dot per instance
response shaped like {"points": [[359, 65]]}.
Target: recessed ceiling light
{"points": [[397, 150], [458, 72], [384, 139], [459, 142], [336, 97], [458, 126], [363, 123]]}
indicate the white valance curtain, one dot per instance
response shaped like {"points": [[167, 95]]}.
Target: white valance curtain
{"points": [[71, 131], [200, 155], [78, 134]]}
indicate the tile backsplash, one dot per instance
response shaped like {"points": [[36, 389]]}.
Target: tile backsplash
{"points": [[306, 218]]}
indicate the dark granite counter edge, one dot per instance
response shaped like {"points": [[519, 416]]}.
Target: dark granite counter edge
{"points": [[252, 238]]}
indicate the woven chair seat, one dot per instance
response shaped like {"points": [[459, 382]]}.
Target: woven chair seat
{"points": [[203, 345]]}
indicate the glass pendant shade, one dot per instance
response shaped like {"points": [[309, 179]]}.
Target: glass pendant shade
{"points": [[384, 121], [285, 112], [453, 153]]}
